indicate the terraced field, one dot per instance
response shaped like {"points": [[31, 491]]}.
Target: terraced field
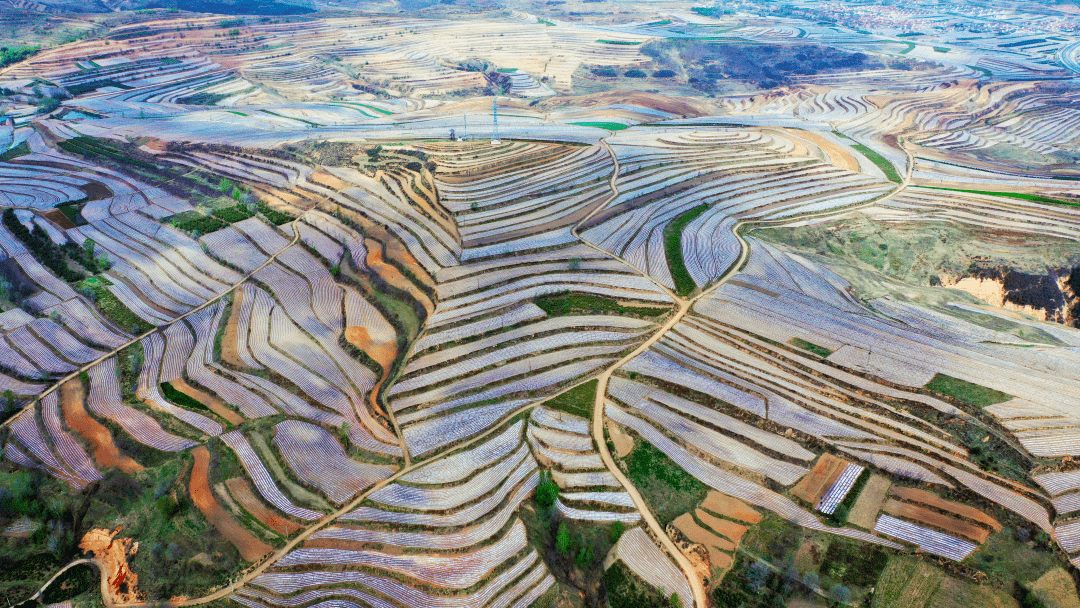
{"points": [[261, 316]]}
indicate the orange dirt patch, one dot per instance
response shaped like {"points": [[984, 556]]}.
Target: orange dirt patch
{"points": [[820, 478], [112, 553], [229, 341], [714, 545], [623, 442], [393, 276], [251, 548], [865, 511], [933, 500], [241, 492], [725, 527], [102, 446], [684, 107], [383, 353], [725, 505], [213, 402], [948, 523], [836, 154]]}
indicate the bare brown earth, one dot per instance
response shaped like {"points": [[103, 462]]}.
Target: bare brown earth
{"points": [[251, 548], [922, 515], [102, 446], [112, 553], [229, 341], [933, 500], [683, 107], [57, 217], [837, 155], [725, 527], [696, 543], [393, 276], [240, 490], [865, 511], [820, 478], [728, 506], [213, 402], [383, 353], [623, 442]]}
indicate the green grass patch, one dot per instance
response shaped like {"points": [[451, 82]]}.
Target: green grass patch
{"points": [[93, 147], [568, 303], [235, 213], [276, 217], [664, 22], [75, 581], [544, 21], [578, 401], [909, 46], [942, 49], [983, 71], [853, 563], [306, 122], [73, 211], [20, 150], [235, 112], [1032, 42], [840, 515], [972, 394], [113, 309], [820, 351], [202, 99], [627, 590], [886, 167], [193, 221], [622, 42], [684, 284], [666, 486], [610, 126], [1035, 198], [182, 399], [909, 34]]}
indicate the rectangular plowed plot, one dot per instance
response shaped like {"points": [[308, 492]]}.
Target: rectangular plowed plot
{"points": [[696, 534], [933, 519], [865, 511], [820, 478], [725, 527], [728, 506], [241, 492], [251, 548], [933, 500]]}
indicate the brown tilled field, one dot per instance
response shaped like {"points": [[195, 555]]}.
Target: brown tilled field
{"points": [[725, 505], [215, 404], [820, 478], [724, 527], [947, 523], [251, 548], [240, 490], [102, 446], [933, 500]]}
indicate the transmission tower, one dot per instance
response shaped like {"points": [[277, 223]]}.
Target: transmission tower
{"points": [[495, 121]]}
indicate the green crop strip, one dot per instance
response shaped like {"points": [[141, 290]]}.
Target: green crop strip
{"points": [[610, 126], [1035, 198], [886, 167], [684, 284]]}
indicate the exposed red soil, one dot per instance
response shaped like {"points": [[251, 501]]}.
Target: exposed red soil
{"points": [[113, 554], [820, 478], [229, 340], [241, 492], [383, 353], [729, 506], [682, 107], [251, 548], [725, 527], [102, 446], [933, 500], [213, 402], [946, 523]]}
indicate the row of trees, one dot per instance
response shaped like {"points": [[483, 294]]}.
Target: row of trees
{"points": [[54, 256]]}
